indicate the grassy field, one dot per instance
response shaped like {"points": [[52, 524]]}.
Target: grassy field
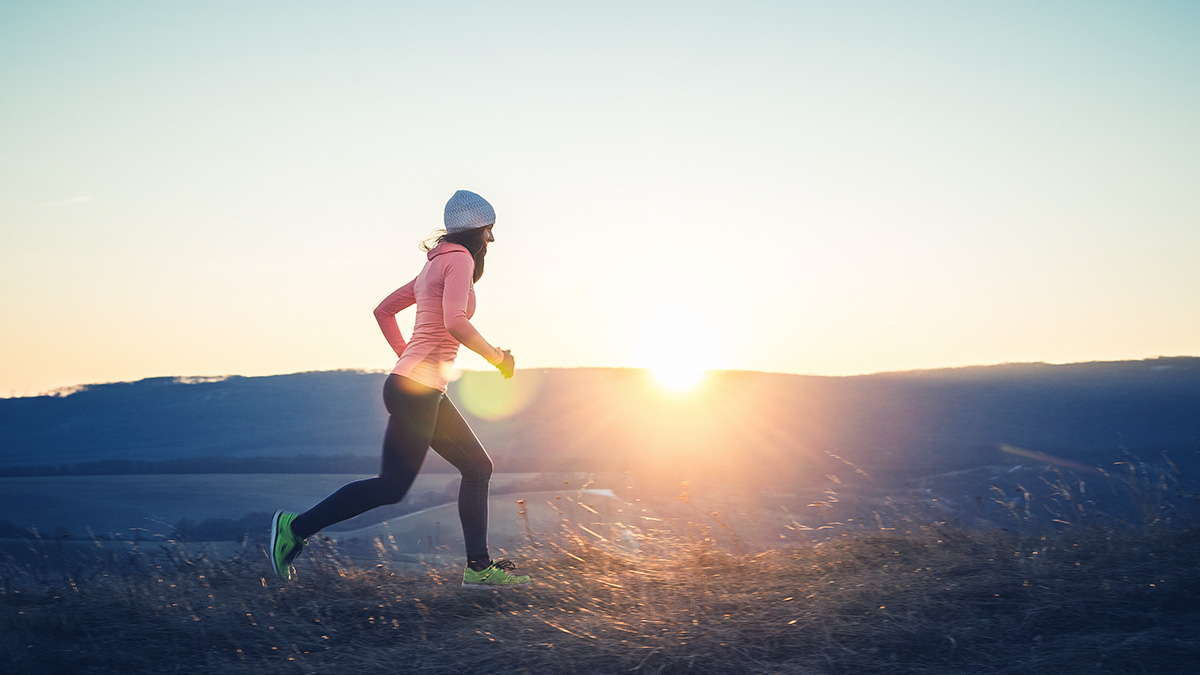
{"points": [[663, 596]]}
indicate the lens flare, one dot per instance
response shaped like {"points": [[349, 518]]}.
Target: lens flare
{"points": [[490, 397]]}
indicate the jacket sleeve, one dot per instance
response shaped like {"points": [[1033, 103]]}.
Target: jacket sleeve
{"points": [[455, 294], [385, 314]]}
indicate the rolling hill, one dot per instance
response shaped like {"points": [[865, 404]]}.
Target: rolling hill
{"points": [[738, 424]]}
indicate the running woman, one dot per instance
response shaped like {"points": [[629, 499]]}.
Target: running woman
{"points": [[420, 416]]}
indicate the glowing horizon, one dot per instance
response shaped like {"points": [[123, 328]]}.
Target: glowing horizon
{"points": [[799, 188]]}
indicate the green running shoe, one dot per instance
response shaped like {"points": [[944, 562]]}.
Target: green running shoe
{"points": [[495, 574], [285, 546]]}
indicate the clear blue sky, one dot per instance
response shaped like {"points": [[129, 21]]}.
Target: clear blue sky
{"points": [[811, 187]]}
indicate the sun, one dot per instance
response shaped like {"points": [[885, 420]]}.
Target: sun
{"points": [[678, 365], [679, 377], [679, 369]]}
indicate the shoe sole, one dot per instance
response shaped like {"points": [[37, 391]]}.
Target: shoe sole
{"points": [[271, 550], [466, 585]]}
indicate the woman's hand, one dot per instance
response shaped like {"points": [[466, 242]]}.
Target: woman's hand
{"points": [[506, 364]]}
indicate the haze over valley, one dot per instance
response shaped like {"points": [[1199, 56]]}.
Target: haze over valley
{"points": [[752, 442]]}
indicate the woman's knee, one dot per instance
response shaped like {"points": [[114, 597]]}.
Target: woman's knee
{"points": [[479, 471], [393, 491]]}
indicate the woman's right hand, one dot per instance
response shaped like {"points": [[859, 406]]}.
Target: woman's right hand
{"points": [[507, 364]]}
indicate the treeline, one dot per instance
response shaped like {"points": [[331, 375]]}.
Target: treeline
{"points": [[10, 530], [256, 526], [209, 529], [353, 464], [223, 529], [349, 464]]}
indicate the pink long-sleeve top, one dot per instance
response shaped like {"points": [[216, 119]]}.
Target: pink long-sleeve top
{"points": [[445, 298]]}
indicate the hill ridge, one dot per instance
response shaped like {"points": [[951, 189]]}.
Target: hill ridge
{"points": [[905, 422]]}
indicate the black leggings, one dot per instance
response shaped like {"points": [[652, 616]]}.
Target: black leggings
{"points": [[419, 418]]}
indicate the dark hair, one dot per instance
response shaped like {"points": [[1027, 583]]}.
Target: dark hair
{"points": [[473, 240]]}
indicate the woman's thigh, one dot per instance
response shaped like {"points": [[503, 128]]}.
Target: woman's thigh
{"points": [[413, 416], [454, 440]]}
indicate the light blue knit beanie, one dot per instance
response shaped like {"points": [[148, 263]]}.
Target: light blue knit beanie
{"points": [[467, 211]]}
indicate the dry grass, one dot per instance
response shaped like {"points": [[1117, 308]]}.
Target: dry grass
{"points": [[928, 600]]}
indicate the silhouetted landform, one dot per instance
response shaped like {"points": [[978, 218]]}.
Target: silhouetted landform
{"points": [[739, 424]]}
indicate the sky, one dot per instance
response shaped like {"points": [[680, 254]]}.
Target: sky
{"points": [[827, 188]]}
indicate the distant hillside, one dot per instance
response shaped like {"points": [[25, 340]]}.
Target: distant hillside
{"points": [[772, 425]]}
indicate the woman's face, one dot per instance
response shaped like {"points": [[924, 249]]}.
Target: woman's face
{"points": [[488, 237]]}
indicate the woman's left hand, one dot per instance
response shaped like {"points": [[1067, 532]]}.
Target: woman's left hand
{"points": [[507, 364]]}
